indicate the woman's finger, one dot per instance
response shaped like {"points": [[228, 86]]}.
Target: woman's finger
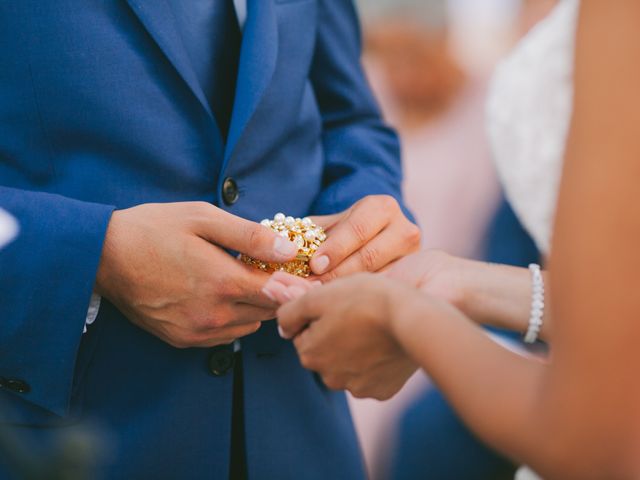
{"points": [[291, 280], [294, 316], [277, 291]]}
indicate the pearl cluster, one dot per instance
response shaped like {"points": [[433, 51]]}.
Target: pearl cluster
{"points": [[303, 232]]}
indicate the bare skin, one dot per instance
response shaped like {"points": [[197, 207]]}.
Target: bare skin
{"points": [[577, 415], [164, 265], [367, 237], [489, 294]]}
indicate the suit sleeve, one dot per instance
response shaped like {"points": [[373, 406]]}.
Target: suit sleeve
{"points": [[47, 276], [362, 154]]}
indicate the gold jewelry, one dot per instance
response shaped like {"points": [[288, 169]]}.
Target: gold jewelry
{"points": [[303, 232]]}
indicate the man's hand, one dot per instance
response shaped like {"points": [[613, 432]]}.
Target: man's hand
{"points": [[367, 237], [341, 330], [164, 267]]}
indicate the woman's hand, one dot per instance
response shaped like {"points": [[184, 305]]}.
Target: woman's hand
{"points": [[342, 331], [435, 272], [489, 294]]}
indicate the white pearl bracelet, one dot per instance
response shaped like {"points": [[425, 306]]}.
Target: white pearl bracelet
{"points": [[537, 305]]}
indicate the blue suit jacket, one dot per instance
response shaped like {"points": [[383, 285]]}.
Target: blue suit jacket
{"points": [[100, 109]]}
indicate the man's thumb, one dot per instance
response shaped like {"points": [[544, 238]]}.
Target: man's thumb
{"points": [[250, 238]]}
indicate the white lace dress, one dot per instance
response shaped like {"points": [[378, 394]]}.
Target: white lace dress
{"points": [[529, 113]]}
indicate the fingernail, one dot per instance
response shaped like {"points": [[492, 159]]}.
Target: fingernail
{"points": [[316, 283], [268, 293], [285, 248], [320, 264], [281, 333]]}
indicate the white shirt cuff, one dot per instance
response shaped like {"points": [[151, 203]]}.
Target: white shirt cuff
{"points": [[92, 313]]}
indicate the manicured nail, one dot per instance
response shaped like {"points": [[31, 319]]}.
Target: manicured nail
{"points": [[285, 248], [320, 264], [268, 294], [281, 333]]}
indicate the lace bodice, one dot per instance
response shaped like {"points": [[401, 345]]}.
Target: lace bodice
{"points": [[529, 112]]}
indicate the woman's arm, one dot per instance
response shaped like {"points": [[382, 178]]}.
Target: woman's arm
{"points": [[500, 296], [577, 416], [490, 294], [493, 389], [595, 257]]}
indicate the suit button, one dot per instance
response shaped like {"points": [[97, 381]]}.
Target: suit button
{"points": [[220, 361], [230, 192], [15, 385]]}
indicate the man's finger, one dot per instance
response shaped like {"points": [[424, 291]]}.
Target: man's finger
{"points": [[327, 221], [227, 335], [251, 238], [387, 247], [236, 314], [363, 222], [246, 313]]}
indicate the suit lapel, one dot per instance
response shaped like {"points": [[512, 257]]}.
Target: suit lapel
{"points": [[157, 18], [258, 58]]}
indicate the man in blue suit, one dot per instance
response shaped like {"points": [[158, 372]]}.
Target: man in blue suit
{"points": [[139, 142]]}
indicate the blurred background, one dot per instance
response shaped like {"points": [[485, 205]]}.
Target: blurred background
{"points": [[430, 63]]}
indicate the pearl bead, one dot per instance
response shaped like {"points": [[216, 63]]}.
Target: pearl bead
{"points": [[306, 221], [310, 235], [289, 221], [279, 217], [266, 222]]}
